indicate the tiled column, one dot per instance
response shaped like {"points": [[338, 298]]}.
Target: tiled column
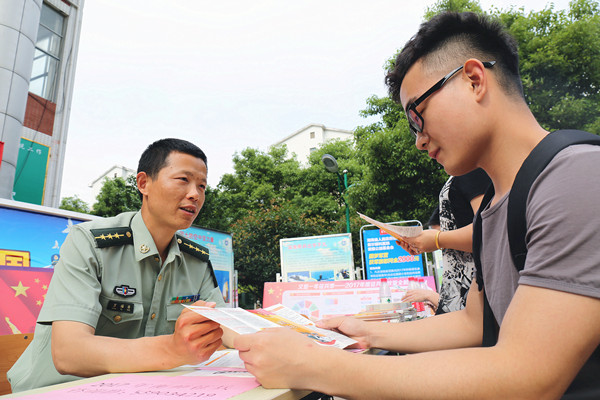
{"points": [[19, 21]]}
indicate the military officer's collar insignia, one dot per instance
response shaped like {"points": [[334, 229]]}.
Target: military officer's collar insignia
{"points": [[124, 291], [144, 249], [192, 248], [108, 237]]}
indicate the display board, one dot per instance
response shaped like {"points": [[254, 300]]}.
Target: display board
{"points": [[317, 258], [220, 248], [30, 240], [384, 258], [30, 175], [328, 299]]}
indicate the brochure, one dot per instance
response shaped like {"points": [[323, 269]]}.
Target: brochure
{"points": [[251, 321], [395, 230]]}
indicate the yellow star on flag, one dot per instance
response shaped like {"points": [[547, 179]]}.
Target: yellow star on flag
{"points": [[20, 289], [271, 291]]}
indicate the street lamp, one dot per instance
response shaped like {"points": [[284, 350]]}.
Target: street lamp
{"points": [[331, 165]]}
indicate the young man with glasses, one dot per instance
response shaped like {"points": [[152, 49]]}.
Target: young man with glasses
{"points": [[475, 117]]}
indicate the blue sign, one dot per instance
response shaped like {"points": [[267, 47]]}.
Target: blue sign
{"points": [[384, 258]]}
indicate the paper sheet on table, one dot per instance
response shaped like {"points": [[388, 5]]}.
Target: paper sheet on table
{"points": [[229, 372], [229, 358], [152, 387], [395, 230]]}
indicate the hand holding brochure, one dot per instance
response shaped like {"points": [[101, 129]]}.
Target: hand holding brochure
{"points": [[395, 230], [243, 321]]}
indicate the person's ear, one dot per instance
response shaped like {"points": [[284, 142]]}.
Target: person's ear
{"points": [[477, 76], [142, 182]]}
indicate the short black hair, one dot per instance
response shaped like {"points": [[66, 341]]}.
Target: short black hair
{"points": [[453, 38], [155, 156]]}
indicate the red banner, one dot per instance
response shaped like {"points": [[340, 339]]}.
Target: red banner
{"points": [[22, 293]]}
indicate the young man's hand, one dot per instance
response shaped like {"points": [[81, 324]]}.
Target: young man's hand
{"points": [[352, 327], [280, 357]]}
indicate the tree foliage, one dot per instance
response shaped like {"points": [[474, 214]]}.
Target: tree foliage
{"points": [[117, 195], [256, 241], [74, 203], [560, 63]]}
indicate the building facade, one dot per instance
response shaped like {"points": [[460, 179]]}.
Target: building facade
{"points": [[116, 171], [306, 140], [39, 40]]}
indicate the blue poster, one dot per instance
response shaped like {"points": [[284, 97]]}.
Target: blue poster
{"points": [[220, 246], [384, 258], [31, 239]]}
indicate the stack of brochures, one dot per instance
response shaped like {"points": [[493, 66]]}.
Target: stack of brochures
{"points": [[251, 321]]}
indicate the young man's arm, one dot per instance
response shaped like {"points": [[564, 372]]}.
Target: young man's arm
{"points": [[546, 337], [77, 351]]}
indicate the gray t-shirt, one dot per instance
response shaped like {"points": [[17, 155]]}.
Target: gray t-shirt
{"points": [[563, 219]]}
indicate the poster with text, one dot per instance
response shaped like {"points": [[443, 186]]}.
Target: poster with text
{"points": [[384, 258], [317, 258], [220, 246], [319, 300], [30, 175]]}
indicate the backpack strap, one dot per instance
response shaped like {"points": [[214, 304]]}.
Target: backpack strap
{"points": [[533, 165], [490, 327]]}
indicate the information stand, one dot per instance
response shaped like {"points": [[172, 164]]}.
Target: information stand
{"points": [[382, 257], [317, 258]]}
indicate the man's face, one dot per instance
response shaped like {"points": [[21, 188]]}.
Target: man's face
{"points": [[175, 196], [448, 134]]}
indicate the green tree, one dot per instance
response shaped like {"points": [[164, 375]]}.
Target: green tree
{"points": [[259, 177], [117, 195], [452, 5], [256, 242], [74, 203], [560, 63]]}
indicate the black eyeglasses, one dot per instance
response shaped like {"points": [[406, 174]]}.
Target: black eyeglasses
{"points": [[415, 119]]}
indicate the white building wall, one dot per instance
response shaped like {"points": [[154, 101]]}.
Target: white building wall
{"points": [[311, 137], [114, 172], [66, 78], [19, 21]]}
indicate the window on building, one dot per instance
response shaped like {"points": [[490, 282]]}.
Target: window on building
{"points": [[312, 135], [46, 59], [313, 149]]}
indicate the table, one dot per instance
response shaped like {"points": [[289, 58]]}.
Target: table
{"points": [[259, 393]]}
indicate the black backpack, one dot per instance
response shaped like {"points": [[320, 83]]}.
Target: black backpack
{"points": [[586, 384]]}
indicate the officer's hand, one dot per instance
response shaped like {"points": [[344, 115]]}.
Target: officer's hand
{"points": [[195, 337]]}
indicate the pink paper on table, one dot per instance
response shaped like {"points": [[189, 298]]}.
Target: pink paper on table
{"points": [[152, 387]]}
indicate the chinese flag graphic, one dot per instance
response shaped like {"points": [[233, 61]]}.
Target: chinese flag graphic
{"points": [[22, 293]]}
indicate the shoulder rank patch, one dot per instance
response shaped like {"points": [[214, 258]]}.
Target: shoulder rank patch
{"points": [[108, 237], [192, 248]]}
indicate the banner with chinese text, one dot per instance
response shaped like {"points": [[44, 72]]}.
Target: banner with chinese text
{"points": [[328, 299]]}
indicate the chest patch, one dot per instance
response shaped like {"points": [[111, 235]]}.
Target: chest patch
{"points": [[120, 306], [124, 291]]}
